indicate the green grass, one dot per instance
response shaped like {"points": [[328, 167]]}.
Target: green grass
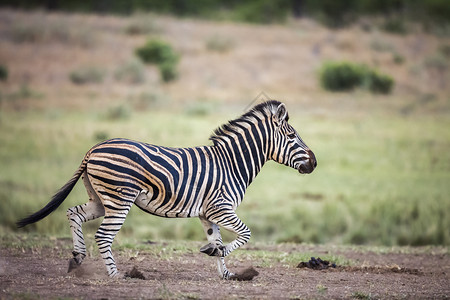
{"points": [[361, 295], [381, 179]]}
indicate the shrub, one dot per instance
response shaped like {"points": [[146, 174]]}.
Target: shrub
{"points": [[344, 76], [3, 73], [87, 75], [168, 71], [162, 54], [341, 76], [157, 52], [379, 83]]}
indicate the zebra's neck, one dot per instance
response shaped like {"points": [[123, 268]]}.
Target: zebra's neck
{"points": [[245, 147]]}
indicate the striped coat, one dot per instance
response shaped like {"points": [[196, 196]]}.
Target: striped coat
{"points": [[208, 182]]}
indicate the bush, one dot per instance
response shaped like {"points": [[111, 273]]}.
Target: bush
{"points": [[162, 54], [87, 75], [157, 52], [3, 73], [344, 76], [341, 76], [168, 71], [379, 83]]}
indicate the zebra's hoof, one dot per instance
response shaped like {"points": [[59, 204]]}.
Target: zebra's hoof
{"points": [[73, 264], [209, 249], [212, 250]]}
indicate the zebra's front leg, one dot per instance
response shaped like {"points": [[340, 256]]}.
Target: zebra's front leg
{"points": [[212, 232], [230, 221]]}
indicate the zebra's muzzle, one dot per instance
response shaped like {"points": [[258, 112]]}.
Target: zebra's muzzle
{"points": [[309, 164]]}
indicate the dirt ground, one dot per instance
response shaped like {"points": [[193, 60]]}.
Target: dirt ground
{"points": [[401, 273]]}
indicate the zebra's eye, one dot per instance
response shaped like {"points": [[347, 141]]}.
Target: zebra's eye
{"points": [[292, 135]]}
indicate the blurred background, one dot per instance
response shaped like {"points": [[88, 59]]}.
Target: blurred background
{"points": [[365, 83]]}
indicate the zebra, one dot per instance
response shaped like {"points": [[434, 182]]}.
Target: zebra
{"points": [[207, 182]]}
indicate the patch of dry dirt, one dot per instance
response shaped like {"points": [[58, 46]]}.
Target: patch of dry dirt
{"points": [[416, 274]]}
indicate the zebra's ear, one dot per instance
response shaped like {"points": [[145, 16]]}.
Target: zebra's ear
{"points": [[281, 113]]}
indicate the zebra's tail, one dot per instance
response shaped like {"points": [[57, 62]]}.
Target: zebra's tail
{"points": [[57, 199]]}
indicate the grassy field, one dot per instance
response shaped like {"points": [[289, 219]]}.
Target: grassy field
{"points": [[383, 161], [379, 181]]}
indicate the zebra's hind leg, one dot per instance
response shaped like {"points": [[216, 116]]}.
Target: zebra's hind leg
{"points": [[77, 215], [212, 232], [114, 217]]}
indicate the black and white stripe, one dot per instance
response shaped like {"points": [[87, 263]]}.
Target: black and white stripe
{"points": [[208, 182]]}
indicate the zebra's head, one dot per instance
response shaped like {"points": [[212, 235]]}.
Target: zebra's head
{"points": [[288, 147]]}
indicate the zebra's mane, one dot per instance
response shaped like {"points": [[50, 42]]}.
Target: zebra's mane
{"points": [[267, 109]]}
